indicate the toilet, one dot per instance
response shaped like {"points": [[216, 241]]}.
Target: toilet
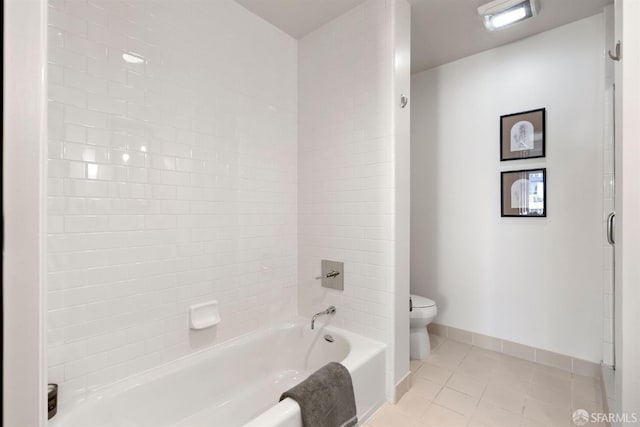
{"points": [[422, 312]]}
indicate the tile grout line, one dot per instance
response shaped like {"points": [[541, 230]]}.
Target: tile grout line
{"points": [[529, 381]]}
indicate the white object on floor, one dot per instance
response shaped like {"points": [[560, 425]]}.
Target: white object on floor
{"points": [[422, 313]]}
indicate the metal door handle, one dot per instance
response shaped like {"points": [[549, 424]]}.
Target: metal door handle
{"points": [[611, 228]]}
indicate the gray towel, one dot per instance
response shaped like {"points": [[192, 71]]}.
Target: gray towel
{"points": [[326, 398]]}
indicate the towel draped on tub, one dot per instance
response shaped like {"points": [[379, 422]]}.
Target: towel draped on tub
{"points": [[326, 398]]}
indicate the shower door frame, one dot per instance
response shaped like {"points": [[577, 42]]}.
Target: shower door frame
{"points": [[627, 208]]}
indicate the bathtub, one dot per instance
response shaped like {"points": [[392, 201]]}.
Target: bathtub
{"points": [[235, 383]]}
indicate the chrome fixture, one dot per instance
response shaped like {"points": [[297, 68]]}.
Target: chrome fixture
{"points": [[403, 101], [331, 310], [332, 274], [611, 228], [328, 275], [615, 57], [500, 14], [328, 338]]}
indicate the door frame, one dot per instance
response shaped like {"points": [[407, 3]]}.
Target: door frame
{"points": [[627, 398]]}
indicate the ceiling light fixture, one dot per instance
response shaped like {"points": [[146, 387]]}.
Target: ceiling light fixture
{"points": [[500, 14]]}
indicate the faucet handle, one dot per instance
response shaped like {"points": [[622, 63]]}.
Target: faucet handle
{"points": [[331, 310], [328, 275]]}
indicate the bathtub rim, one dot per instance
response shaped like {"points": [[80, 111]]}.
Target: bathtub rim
{"points": [[360, 348]]}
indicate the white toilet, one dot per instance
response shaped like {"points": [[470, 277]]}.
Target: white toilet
{"points": [[423, 311]]}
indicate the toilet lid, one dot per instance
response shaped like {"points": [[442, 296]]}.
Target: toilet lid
{"points": [[418, 301]]}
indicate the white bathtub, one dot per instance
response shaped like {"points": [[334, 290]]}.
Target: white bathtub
{"points": [[235, 383]]}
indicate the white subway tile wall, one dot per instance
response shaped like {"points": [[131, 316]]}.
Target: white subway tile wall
{"points": [[172, 181], [346, 196]]}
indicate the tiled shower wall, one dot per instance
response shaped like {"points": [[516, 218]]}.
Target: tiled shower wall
{"points": [[353, 174], [346, 172], [172, 181]]}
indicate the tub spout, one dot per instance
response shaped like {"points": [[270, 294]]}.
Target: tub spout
{"points": [[330, 310]]}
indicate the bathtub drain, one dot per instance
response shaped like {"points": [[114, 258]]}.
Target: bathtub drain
{"points": [[328, 338]]}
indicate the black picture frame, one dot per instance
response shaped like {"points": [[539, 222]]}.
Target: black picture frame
{"points": [[523, 193], [522, 135]]}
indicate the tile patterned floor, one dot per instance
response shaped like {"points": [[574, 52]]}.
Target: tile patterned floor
{"points": [[463, 385]]}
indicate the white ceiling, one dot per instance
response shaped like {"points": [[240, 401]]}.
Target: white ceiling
{"points": [[445, 30], [441, 30], [299, 17]]}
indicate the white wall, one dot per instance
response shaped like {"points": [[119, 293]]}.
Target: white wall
{"points": [[346, 180], [401, 22], [23, 212], [534, 281], [171, 181]]}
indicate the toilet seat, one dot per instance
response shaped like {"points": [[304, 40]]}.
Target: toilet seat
{"points": [[418, 301]]}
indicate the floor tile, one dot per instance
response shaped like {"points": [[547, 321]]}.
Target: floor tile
{"points": [[510, 381], [587, 405], [485, 352], [556, 416], [587, 391], [551, 395], [526, 422], [438, 416], [520, 363], [559, 373], [494, 416], [581, 379], [413, 403], [429, 389], [434, 373], [435, 341], [453, 349], [444, 361], [552, 380], [463, 385], [456, 401], [504, 398], [482, 358], [390, 416], [481, 371], [466, 384], [514, 369], [414, 365]]}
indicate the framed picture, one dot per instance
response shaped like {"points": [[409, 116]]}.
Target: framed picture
{"points": [[522, 135], [524, 193]]}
